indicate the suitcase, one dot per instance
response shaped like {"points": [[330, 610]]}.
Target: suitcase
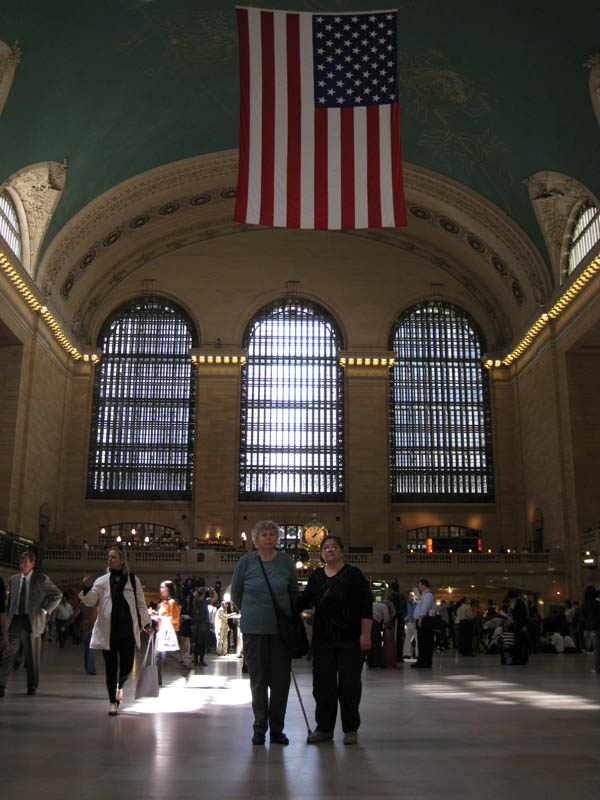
{"points": [[389, 654]]}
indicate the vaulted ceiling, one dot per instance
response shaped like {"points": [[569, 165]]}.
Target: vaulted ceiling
{"points": [[490, 93]]}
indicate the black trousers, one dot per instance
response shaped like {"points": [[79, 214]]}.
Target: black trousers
{"points": [[425, 642], [19, 634], [337, 669], [200, 632], [269, 665], [119, 663], [465, 637]]}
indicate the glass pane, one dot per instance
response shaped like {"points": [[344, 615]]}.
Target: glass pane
{"points": [[143, 413], [292, 405], [439, 407]]}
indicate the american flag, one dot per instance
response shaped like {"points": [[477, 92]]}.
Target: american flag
{"points": [[319, 123]]}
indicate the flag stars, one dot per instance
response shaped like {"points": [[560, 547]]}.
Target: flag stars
{"points": [[351, 52]]}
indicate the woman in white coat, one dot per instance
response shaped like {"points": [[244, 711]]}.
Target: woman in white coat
{"points": [[122, 612]]}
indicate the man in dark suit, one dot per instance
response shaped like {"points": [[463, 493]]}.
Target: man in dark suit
{"points": [[32, 597]]}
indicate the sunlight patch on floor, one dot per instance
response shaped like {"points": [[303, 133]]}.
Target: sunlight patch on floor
{"points": [[181, 697], [478, 690]]}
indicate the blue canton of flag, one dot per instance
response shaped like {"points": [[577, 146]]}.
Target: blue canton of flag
{"points": [[354, 60]]}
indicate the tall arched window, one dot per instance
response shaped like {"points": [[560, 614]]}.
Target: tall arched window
{"points": [[585, 234], [10, 230], [439, 407], [291, 439], [143, 411]]}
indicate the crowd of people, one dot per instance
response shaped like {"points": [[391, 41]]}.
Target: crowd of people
{"points": [[344, 622]]}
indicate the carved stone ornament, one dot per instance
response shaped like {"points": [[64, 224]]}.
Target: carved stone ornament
{"points": [[593, 64], [39, 188], [554, 197], [9, 58]]}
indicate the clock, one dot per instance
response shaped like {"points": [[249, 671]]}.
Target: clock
{"points": [[313, 534]]}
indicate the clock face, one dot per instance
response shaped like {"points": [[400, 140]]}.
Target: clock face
{"points": [[313, 535]]}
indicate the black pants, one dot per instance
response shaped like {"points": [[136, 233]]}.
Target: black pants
{"points": [[269, 666], [425, 642], [119, 663], [19, 634], [336, 678], [465, 637], [200, 632]]}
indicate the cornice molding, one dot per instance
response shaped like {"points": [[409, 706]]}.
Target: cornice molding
{"points": [[116, 208], [500, 232]]}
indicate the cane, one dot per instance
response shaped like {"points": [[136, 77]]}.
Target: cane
{"points": [[300, 700]]}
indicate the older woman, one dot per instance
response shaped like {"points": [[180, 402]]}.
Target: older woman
{"points": [[122, 612], [342, 625], [268, 661]]}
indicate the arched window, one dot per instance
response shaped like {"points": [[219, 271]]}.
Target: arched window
{"points": [[143, 411], [439, 407], [10, 230], [585, 234], [291, 438]]}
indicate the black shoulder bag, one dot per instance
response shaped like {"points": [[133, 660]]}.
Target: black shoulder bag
{"points": [[291, 631]]}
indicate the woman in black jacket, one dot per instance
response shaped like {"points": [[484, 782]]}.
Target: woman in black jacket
{"points": [[342, 624]]}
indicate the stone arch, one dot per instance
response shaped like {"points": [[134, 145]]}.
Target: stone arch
{"points": [[556, 199], [36, 191]]}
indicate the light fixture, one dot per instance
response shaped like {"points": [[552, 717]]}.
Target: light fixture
{"points": [[557, 308], [118, 539]]}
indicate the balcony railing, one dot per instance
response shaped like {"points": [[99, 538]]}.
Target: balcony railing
{"points": [[377, 564]]}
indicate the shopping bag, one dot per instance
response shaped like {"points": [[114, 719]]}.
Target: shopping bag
{"points": [[147, 681], [166, 638]]}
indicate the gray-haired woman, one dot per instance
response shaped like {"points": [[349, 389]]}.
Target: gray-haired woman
{"points": [[268, 661]]}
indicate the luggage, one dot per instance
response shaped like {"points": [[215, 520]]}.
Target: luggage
{"points": [[389, 652]]}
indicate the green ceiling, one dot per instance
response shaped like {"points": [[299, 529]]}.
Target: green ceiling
{"points": [[490, 92]]}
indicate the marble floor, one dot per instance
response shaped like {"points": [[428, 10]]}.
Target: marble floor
{"points": [[469, 728]]}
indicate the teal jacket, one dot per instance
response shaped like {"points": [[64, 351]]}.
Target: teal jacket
{"points": [[251, 595]]}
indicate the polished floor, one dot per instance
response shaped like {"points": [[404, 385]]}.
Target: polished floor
{"points": [[469, 728]]}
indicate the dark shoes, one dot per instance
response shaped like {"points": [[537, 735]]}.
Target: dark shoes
{"points": [[30, 691], [319, 736], [275, 738], [2, 691]]}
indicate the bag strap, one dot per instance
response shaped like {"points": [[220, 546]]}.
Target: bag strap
{"points": [[276, 605], [132, 581], [264, 572], [149, 650]]}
